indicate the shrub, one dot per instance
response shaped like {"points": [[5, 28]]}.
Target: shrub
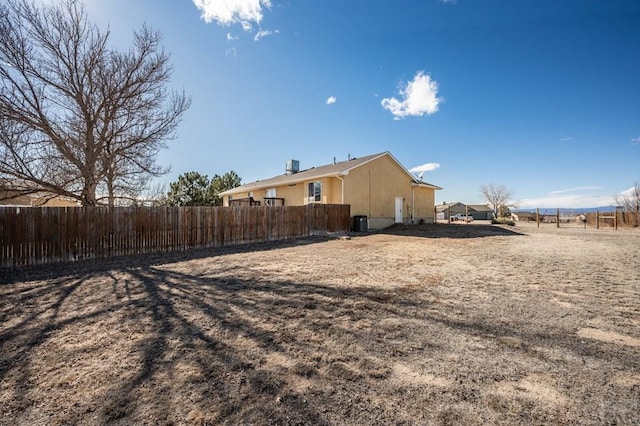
{"points": [[503, 221]]}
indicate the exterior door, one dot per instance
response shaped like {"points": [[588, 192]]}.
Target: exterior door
{"points": [[399, 202]]}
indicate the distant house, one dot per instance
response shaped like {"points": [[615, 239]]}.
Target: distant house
{"points": [[445, 210], [523, 216], [376, 186], [11, 197], [478, 211]]}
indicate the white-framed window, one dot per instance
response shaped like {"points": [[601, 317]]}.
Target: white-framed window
{"points": [[269, 196], [250, 194], [314, 192]]}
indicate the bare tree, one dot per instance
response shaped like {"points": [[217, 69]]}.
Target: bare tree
{"points": [[499, 197], [630, 199], [75, 115], [154, 194]]}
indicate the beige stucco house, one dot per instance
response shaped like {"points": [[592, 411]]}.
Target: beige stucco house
{"points": [[376, 186], [10, 197]]}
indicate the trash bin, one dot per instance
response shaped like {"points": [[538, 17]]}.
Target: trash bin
{"points": [[360, 224]]}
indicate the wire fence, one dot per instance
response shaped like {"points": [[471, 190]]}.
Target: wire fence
{"points": [[575, 219]]}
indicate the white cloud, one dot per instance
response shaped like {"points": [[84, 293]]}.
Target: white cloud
{"points": [[572, 198], [227, 12], [567, 139], [331, 100], [428, 167], [568, 202], [230, 37], [419, 97], [579, 188], [264, 33], [231, 51], [635, 141]]}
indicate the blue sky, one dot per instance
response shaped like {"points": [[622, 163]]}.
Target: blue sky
{"points": [[542, 96]]}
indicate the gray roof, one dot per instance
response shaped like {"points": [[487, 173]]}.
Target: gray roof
{"points": [[444, 206], [480, 207], [474, 207], [328, 170]]}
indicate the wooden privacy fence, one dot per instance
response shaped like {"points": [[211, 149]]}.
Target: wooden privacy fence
{"points": [[31, 236]]}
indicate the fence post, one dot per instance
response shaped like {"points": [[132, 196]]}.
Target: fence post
{"points": [[557, 218], [615, 220], [597, 219]]}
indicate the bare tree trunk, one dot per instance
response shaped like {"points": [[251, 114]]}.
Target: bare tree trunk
{"points": [[89, 192]]}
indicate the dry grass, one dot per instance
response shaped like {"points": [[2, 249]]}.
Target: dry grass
{"points": [[430, 324]]}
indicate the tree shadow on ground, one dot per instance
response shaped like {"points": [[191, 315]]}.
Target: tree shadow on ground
{"points": [[153, 344], [90, 266], [93, 266]]}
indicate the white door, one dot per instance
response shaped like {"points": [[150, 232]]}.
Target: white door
{"points": [[399, 202]]}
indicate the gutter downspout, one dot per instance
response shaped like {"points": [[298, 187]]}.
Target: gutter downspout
{"points": [[413, 204], [369, 193], [342, 182]]}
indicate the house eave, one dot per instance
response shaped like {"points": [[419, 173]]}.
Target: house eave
{"points": [[425, 185], [256, 186]]}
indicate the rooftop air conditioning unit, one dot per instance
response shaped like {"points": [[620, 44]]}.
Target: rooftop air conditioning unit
{"points": [[293, 166]]}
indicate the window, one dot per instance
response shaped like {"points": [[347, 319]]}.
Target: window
{"points": [[269, 197], [250, 194], [315, 192]]}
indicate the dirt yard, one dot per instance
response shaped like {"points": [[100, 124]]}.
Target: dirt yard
{"points": [[431, 324]]}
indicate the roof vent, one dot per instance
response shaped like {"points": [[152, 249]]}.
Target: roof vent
{"points": [[293, 166]]}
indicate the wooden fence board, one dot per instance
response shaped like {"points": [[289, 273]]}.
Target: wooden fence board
{"points": [[39, 235]]}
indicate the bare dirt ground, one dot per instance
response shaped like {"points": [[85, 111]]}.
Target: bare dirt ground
{"points": [[431, 324]]}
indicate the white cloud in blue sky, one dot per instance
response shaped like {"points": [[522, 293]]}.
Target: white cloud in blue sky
{"points": [[428, 167], [331, 100], [227, 12], [635, 141], [567, 139], [264, 33], [419, 97], [579, 197], [580, 188], [575, 201]]}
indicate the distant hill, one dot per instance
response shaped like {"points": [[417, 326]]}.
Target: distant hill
{"points": [[563, 211]]}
